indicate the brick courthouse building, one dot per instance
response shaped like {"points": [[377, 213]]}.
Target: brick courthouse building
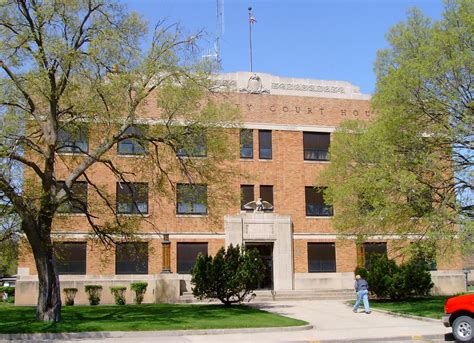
{"points": [[285, 138]]}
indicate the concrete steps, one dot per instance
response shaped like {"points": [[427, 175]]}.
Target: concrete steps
{"points": [[267, 295]]}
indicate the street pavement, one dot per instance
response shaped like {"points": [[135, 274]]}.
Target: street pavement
{"points": [[332, 321]]}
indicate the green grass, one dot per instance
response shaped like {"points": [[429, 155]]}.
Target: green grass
{"points": [[431, 307], [15, 319]]}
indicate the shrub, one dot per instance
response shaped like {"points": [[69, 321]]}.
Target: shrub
{"points": [[119, 294], [139, 288], [361, 271], [94, 292], [417, 277], [70, 294], [387, 280], [231, 276], [8, 290], [380, 276]]}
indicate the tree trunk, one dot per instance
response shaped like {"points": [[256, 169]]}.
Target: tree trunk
{"points": [[49, 294]]}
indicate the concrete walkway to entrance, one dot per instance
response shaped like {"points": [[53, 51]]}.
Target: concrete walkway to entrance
{"points": [[332, 320]]}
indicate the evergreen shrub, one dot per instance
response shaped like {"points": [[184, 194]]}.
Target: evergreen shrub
{"points": [[119, 294], [93, 293], [139, 288], [230, 276]]}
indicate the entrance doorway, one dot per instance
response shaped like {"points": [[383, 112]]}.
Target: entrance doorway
{"points": [[266, 253]]}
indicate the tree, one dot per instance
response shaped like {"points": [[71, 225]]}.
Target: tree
{"points": [[409, 170], [230, 276], [72, 66]]}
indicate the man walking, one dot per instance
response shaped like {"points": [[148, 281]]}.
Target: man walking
{"points": [[362, 289]]}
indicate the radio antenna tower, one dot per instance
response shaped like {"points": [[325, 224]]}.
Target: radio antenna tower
{"points": [[215, 53]]}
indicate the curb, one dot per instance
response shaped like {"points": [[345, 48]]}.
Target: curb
{"points": [[136, 334], [388, 339]]}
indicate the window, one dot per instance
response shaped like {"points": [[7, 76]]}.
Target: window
{"points": [[133, 146], [265, 144], [372, 249], [266, 193], [70, 257], [131, 258], [132, 198], [78, 201], [195, 146], [246, 195], [187, 255], [321, 257], [191, 199], [315, 205], [73, 139], [246, 143], [316, 146]]}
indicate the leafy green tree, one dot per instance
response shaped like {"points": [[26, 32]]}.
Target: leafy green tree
{"points": [[72, 68], [409, 170], [231, 276]]}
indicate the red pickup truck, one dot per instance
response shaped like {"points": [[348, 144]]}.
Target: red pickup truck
{"points": [[460, 316]]}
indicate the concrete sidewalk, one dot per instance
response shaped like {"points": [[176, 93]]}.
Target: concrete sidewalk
{"points": [[332, 320]]}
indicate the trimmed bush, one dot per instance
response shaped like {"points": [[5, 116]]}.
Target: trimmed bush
{"points": [[69, 295], [139, 288], [387, 280], [93, 292], [231, 276], [119, 294]]}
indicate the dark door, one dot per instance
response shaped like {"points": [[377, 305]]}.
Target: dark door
{"points": [[266, 253]]}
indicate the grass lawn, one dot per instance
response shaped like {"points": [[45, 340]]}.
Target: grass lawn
{"points": [[432, 307], [15, 319]]}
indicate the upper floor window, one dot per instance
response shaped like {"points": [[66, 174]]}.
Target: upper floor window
{"points": [[246, 143], [246, 195], [321, 257], [77, 203], [134, 145], [191, 199], [315, 205], [266, 193], [73, 139], [265, 144], [131, 258], [187, 255], [316, 146], [194, 146], [70, 257], [132, 198]]}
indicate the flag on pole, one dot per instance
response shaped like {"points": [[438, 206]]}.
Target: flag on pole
{"points": [[252, 20]]}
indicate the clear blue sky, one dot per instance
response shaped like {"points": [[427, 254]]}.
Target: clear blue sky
{"points": [[320, 39]]}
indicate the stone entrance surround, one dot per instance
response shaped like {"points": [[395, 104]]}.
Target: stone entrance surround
{"points": [[266, 227]]}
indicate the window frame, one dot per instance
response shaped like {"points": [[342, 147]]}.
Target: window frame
{"points": [[243, 201], [179, 253], [61, 264], [134, 204], [324, 209], [193, 204], [197, 147], [311, 139], [138, 149], [262, 145], [333, 268], [68, 207], [244, 135], [132, 246], [272, 200], [74, 147]]}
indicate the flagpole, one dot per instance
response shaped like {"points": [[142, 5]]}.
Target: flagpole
{"points": [[250, 37]]}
